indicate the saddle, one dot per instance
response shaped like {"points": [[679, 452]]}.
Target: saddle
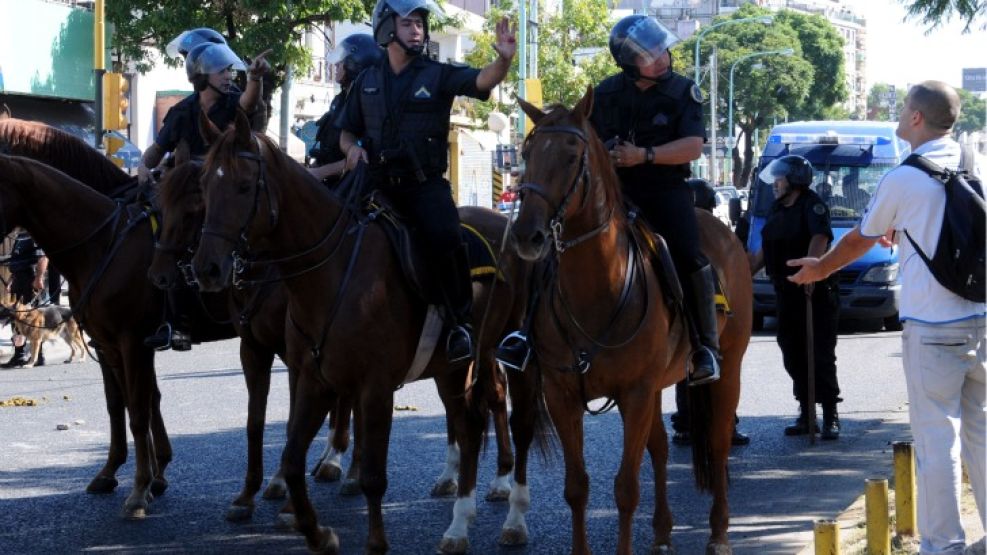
{"points": [[482, 260]]}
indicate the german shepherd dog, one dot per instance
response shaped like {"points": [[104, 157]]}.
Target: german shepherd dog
{"points": [[40, 324]]}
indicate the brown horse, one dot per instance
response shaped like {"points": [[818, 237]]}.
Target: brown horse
{"points": [[354, 320], [601, 327], [103, 249]]}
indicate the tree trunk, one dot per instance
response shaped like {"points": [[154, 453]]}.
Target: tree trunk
{"points": [[748, 156]]}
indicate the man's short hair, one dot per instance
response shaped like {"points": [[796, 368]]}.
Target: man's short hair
{"points": [[938, 102]]}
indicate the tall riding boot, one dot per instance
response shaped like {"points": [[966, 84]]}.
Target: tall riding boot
{"points": [[706, 354], [801, 425], [19, 359], [458, 291], [831, 422], [171, 334]]}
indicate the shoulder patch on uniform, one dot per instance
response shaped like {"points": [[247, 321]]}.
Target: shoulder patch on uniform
{"points": [[696, 93], [819, 208]]}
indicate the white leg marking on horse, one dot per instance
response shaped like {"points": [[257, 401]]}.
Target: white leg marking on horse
{"points": [[500, 485], [451, 471], [329, 449], [463, 513], [520, 501]]}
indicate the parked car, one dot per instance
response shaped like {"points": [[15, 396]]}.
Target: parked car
{"points": [[508, 201], [849, 158]]}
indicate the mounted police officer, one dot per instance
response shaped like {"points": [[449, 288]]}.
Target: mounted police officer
{"points": [[351, 56], [401, 109], [27, 265], [799, 226], [655, 118], [210, 66]]}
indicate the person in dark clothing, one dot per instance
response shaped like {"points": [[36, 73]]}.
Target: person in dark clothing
{"points": [[655, 117], [400, 108], [210, 66], [799, 226], [27, 265], [54, 285], [705, 198], [351, 56]]}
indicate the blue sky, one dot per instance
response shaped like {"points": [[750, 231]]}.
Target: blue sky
{"points": [[901, 53]]}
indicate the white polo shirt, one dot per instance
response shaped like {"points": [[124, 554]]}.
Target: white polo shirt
{"points": [[907, 198]]}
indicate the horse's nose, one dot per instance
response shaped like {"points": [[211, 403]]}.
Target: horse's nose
{"points": [[210, 273], [160, 280], [537, 238]]}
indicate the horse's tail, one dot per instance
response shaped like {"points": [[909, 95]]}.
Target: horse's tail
{"points": [[545, 435], [700, 430]]}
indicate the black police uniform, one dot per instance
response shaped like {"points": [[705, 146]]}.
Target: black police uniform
{"points": [[786, 235], [24, 257], [404, 124], [326, 148], [182, 122], [667, 111]]}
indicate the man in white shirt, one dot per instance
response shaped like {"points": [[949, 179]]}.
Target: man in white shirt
{"points": [[943, 341]]}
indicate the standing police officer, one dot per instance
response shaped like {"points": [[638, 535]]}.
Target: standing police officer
{"points": [[401, 108], [210, 66], [656, 115], [798, 226], [27, 273], [351, 56]]}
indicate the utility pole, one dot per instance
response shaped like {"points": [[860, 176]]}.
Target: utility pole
{"points": [[522, 66], [99, 68], [713, 83]]}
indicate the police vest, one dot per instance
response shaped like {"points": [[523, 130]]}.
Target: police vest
{"points": [[326, 149], [24, 254], [786, 233], [416, 131]]}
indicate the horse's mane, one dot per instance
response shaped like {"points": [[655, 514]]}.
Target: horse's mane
{"points": [[63, 151], [226, 149], [179, 182], [23, 170]]}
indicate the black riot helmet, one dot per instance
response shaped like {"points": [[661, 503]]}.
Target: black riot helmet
{"points": [[639, 40], [796, 169], [356, 52], [385, 17]]}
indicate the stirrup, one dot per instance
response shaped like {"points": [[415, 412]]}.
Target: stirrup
{"points": [[514, 352], [701, 379], [459, 344], [160, 340]]}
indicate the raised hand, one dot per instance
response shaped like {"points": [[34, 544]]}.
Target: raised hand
{"points": [[259, 66], [506, 44]]}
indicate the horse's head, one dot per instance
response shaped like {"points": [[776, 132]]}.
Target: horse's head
{"points": [[563, 160], [182, 214], [238, 200]]}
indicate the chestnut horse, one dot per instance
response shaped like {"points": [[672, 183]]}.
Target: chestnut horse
{"points": [[354, 320], [183, 212], [601, 327]]}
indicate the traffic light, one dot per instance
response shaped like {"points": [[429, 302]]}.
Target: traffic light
{"points": [[116, 90]]}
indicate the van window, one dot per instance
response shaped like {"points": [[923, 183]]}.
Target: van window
{"points": [[848, 190]]}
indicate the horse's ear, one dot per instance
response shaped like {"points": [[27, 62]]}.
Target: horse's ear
{"points": [[533, 111], [207, 128], [584, 107], [182, 153], [5, 111], [244, 135]]}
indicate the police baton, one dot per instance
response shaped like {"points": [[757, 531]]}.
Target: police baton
{"points": [[810, 347]]}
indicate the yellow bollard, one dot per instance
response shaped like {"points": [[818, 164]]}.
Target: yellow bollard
{"points": [[904, 488], [827, 537], [878, 528]]}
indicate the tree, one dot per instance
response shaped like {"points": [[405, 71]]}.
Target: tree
{"points": [[877, 103], [937, 12], [973, 116]]}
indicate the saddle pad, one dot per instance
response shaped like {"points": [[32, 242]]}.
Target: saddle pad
{"points": [[658, 249], [483, 261]]}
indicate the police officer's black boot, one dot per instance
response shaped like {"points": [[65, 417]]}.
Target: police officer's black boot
{"points": [[831, 422], [171, 334], [706, 355], [458, 290], [20, 358], [801, 425]]}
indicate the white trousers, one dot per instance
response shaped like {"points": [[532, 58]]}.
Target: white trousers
{"points": [[945, 374]]}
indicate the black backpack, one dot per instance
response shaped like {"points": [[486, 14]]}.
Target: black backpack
{"points": [[959, 260]]}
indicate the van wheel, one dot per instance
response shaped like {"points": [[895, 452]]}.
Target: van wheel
{"points": [[892, 323], [757, 323]]}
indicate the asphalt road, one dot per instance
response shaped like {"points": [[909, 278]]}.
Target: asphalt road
{"points": [[779, 484]]}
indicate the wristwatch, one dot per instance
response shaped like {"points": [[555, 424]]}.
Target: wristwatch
{"points": [[649, 155]]}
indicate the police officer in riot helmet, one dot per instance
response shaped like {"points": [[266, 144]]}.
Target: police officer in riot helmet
{"points": [[653, 118], [799, 226], [210, 66], [351, 56], [400, 109]]}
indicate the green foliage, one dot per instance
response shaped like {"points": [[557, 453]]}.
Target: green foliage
{"points": [[973, 112], [877, 104], [938, 12]]}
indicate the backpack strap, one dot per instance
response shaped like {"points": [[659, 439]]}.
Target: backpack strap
{"points": [[928, 166]]}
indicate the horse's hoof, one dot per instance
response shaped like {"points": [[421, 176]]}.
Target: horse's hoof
{"points": [[276, 489], [284, 521], [136, 511], [445, 488], [158, 486], [239, 513], [513, 536], [662, 549], [498, 494], [102, 485], [718, 549], [329, 543], [453, 545], [326, 472], [350, 487]]}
